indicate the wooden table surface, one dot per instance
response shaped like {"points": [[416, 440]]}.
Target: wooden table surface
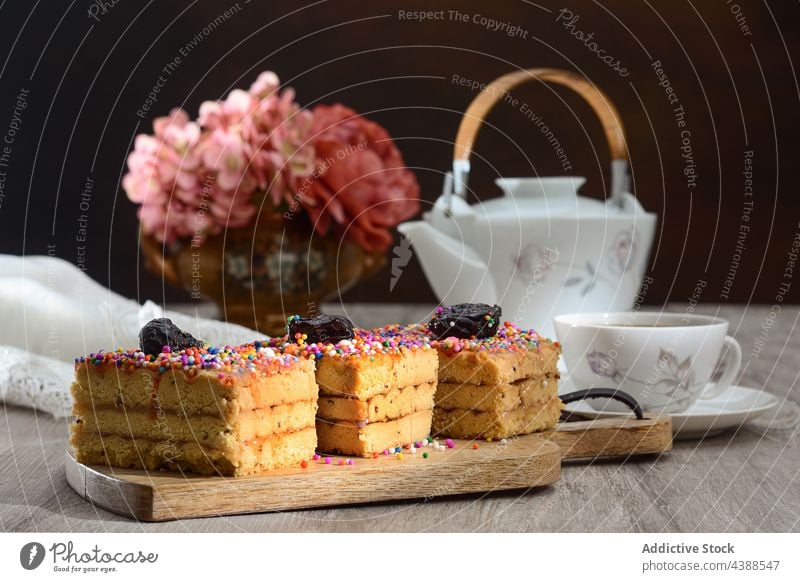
{"points": [[745, 480]]}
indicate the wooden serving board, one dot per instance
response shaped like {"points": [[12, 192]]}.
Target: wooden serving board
{"points": [[523, 462]]}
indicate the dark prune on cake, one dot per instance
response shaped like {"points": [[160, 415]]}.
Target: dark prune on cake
{"points": [[321, 328], [465, 320], [157, 333]]}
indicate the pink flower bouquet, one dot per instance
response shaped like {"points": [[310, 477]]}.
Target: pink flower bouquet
{"points": [[194, 178]]}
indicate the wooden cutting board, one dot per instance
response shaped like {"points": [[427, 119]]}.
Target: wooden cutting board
{"points": [[522, 463]]}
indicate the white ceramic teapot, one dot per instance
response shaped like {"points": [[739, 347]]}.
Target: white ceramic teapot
{"points": [[540, 250]]}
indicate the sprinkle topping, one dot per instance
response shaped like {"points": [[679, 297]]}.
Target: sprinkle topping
{"points": [[253, 357], [365, 343], [509, 337]]}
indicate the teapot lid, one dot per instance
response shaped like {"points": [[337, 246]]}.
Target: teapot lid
{"points": [[546, 197]]}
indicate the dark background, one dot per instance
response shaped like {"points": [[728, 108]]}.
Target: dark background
{"points": [[87, 79]]}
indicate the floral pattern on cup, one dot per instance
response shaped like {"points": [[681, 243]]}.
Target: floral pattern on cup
{"points": [[672, 378], [678, 378], [604, 365]]}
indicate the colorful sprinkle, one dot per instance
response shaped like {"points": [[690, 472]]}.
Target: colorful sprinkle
{"points": [[304, 463], [328, 460], [424, 455], [366, 343], [315, 457], [509, 337], [252, 358], [475, 446]]}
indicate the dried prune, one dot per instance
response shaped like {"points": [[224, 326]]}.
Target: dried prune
{"points": [[465, 320], [157, 333], [320, 328]]}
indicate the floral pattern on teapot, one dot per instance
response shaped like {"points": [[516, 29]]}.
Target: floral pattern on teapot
{"points": [[534, 264]]}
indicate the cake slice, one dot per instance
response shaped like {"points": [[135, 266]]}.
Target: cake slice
{"points": [[495, 397], [495, 380], [376, 388], [190, 407], [394, 403], [468, 411], [368, 439]]}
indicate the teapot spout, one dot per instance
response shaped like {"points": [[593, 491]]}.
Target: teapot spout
{"points": [[455, 271]]}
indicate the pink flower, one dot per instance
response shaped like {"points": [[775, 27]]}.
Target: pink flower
{"points": [[266, 84], [211, 115], [360, 182], [232, 209], [163, 170], [277, 137], [194, 178], [224, 154], [141, 182], [226, 114]]}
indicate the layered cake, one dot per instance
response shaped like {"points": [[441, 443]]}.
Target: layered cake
{"points": [[177, 404], [495, 380], [376, 389]]}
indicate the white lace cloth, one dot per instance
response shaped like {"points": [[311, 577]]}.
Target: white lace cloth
{"points": [[51, 312]]}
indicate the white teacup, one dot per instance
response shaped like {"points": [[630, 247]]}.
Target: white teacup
{"points": [[664, 360]]}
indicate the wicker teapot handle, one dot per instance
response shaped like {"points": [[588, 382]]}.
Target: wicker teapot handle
{"points": [[497, 89]]}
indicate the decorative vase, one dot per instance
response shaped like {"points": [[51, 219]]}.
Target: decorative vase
{"points": [[260, 275]]}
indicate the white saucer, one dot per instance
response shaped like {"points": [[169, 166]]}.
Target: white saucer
{"points": [[702, 419]]}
